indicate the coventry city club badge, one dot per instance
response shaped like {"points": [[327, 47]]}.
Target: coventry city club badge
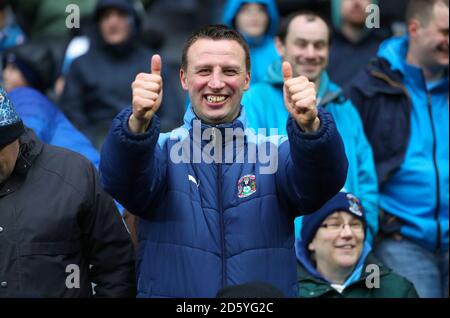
{"points": [[246, 186], [354, 205]]}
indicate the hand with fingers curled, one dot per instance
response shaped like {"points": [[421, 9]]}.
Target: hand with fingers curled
{"points": [[147, 91], [300, 99]]}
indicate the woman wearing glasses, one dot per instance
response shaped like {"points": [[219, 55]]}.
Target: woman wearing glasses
{"points": [[334, 259]]}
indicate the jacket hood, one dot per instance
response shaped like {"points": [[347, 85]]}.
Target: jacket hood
{"points": [[394, 50], [30, 148], [274, 75], [232, 8], [134, 20], [328, 91], [124, 5], [303, 257]]}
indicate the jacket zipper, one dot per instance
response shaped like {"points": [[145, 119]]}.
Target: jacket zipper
{"points": [[438, 190], [222, 225], [438, 203], [399, 85]]}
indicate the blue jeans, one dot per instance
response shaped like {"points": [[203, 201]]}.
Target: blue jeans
{"points": [[428, 271]]}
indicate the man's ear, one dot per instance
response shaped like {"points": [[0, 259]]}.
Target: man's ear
{"points": [[247, 82], [311, 246], [413, 27], [183, 79], [280, 46]]}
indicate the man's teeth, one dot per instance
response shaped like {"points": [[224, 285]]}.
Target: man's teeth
{"points": [[346, 246], [215, 99]]}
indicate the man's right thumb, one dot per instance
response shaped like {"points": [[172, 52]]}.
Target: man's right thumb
{"points": [[287, 71], [156, 64]]}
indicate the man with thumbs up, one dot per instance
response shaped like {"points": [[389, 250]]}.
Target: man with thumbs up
{"points": [[208, 223]]}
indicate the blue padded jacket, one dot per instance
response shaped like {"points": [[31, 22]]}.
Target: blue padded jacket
{"points": [[201, 229]]}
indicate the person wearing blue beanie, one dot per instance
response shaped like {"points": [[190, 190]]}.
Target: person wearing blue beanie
{"points": [[341, 202], [335, 259]]}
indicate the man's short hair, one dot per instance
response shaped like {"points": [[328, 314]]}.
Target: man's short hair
{"points": [[422, 10], [310, 17], [216, 32]]}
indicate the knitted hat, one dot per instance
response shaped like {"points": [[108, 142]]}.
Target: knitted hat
{"points": [[343, 201], [11, 126]]}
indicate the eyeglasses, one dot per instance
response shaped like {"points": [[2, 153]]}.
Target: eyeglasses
{"points": [[337, 226]]}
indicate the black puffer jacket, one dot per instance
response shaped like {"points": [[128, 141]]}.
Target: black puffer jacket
{"points": [[55, 219]]}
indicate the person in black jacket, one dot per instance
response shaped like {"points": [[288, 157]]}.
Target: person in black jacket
{"points": [[97, 86], [60, 233]]}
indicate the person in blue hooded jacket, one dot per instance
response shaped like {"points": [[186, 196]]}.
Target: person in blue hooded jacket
{"points": [[303, 41], [402, 97], [10, 32], [27, 76], [50, 125], [257, 21], [216, 202], [336, 261]]}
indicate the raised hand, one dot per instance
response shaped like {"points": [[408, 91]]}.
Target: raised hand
{"points": [[300, 99], [147, 96]]}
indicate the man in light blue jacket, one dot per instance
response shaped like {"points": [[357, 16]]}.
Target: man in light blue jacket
{"points": [[402, 97], [50, 124], [303, 40]]}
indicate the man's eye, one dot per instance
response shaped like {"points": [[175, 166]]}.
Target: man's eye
{"points": [[203, 72], [319, 46], [334, 225], [230, 72]]}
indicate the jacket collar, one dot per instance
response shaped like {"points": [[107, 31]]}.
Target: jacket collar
{"points": [[30, 149], [319, 286], [328, 92], [190, 116], [394, 50]]}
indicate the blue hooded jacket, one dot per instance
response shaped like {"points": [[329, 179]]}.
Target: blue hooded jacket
{"points": [[200, 229], [265, 109], [11, 35], [424, 170], [50, 124], [262, 50]]}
